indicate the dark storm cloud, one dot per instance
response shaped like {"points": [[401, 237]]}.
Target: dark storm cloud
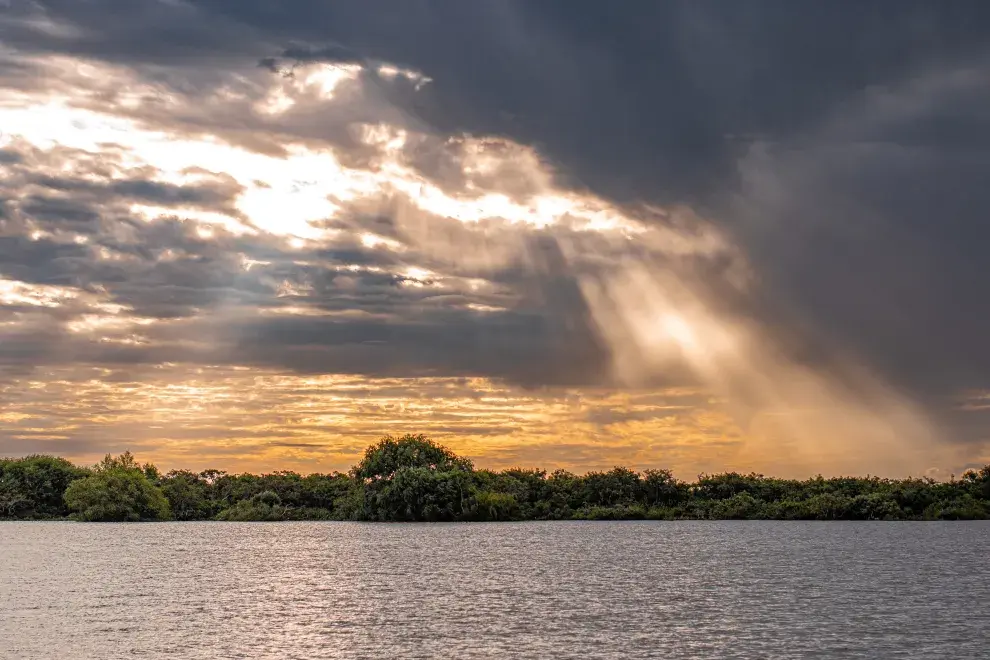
{"points": [[638, 99], [843, 145], [40, 262], [343, 308], [9, 156], [73, 189], [879, 244], [516, 346]]}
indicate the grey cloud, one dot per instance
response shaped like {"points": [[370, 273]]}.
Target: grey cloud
{"points": [[10, 156], [58, 210], [658, 94], [209, 309], [842, 146], [639, 99], [23, 445], [42, 262]]}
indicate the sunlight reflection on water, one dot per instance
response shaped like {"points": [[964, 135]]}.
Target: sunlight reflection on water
{"points": [[606, 590]]}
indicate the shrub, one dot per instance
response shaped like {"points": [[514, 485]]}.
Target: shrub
{"points": [[116, 495]]}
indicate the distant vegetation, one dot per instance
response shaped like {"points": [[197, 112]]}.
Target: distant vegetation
{"points": [[414, 479]]}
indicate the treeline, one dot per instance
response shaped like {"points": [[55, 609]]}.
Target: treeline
{"points": [[414, 479]]}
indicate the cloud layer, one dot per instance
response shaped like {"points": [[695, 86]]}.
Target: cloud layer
{"points": [[551, 200]]}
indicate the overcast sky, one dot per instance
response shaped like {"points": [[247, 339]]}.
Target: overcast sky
{"points": [[699, 235]]}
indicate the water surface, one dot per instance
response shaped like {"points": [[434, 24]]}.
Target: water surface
{"points": [[572, 589]]}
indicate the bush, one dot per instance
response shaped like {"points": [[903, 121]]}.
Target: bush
{"points": [[251, 511], [32, 487], [116, 495], [495, 506], [741, 506], [188, 495], [960, 508], [412, 478], [876, 506]]}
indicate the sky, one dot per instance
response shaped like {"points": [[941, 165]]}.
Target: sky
{"points": [[696, 235]]}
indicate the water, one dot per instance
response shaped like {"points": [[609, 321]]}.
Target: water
{"points": [[601, 590]]}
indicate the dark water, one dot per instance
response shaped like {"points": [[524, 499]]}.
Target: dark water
{"points": [[604, 590]]}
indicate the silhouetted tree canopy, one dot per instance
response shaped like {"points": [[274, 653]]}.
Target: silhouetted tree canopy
{"points": [[412, 478], [118, 490], [384, 459], [32, 487]]}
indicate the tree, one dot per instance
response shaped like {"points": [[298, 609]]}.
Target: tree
{"points": [[125, 461], [662, 489], [383, 459], [413, 478], [979, 482], [32, 487], [617, 486], [265, 506], [117, 491], [495, 506], [188, 495]]}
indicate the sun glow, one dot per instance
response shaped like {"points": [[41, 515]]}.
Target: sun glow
{"points": [[288, 195], [13, 292], [635, 270]]}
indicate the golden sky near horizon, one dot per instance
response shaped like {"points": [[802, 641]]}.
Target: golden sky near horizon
{"points": [[273, 270]]}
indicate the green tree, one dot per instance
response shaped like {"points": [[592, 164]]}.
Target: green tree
{"points": [[264, 506], [978, 482], [617, 486], [965, 507], [188, 495], [662, 489], [413, 478], [118, 491], [388, 455], [495, 506], [32, 487]]}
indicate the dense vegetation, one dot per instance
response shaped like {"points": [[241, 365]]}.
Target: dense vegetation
{"points": [[414, 479]]}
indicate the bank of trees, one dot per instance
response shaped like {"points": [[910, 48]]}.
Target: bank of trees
{"points": [[414, 479], [118, 490]]}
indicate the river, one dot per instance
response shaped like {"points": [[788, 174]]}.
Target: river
{"points": [[533, 590]]}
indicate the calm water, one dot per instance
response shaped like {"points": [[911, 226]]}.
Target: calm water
{"points": [[607, 590]]}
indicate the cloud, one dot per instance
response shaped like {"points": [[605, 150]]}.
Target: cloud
{"points": [[251, 419], [563, 194], [306, 259], [194, 250], [868, 228]]}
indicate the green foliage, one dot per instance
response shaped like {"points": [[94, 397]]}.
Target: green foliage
{"points": [[125, 461], [741, 506], [964, 507], [265, 506], [495, 506], [617, 486], [420, 494], [189, 495], [412, 478], [660, 488], [978, 482], [117, 491], [32, 487], [383, 459]]}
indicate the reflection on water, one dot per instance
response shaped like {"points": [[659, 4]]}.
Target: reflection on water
{"points": [[608, 590]]}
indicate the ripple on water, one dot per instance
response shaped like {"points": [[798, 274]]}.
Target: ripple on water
{"points": [[601, 590]]}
